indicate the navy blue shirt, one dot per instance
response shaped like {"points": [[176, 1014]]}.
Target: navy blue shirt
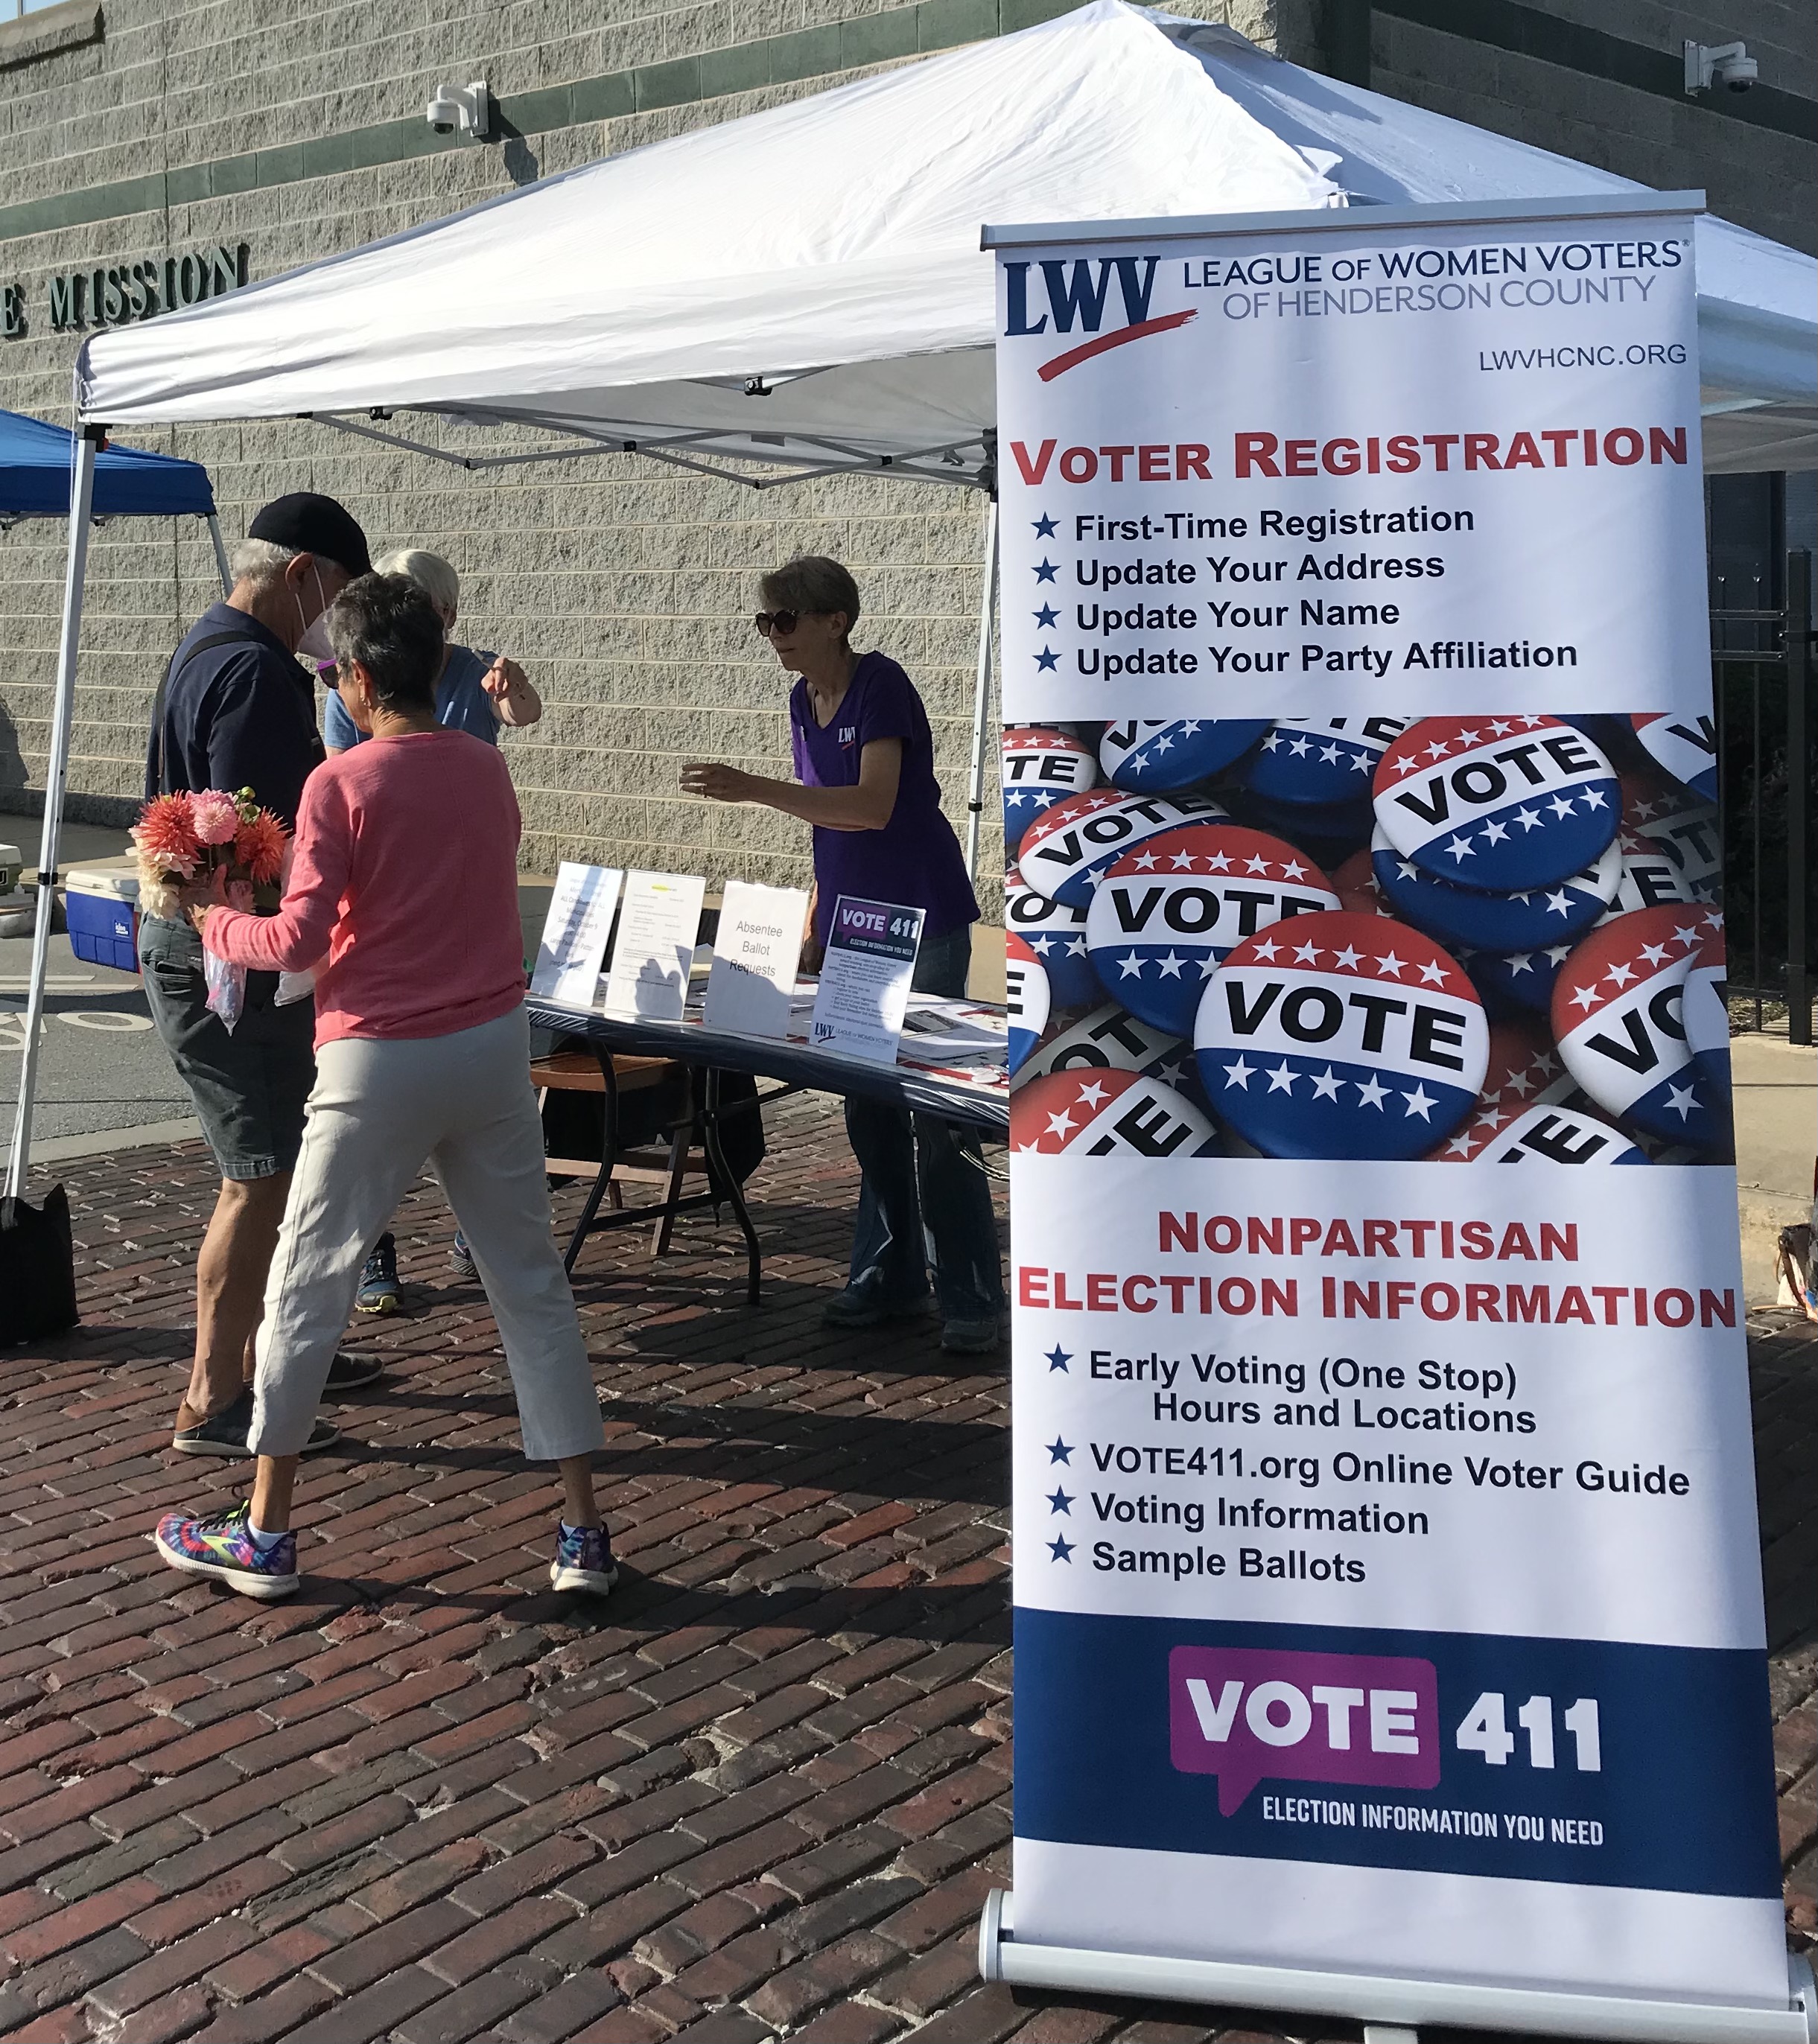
{"points": [[241, 715]]}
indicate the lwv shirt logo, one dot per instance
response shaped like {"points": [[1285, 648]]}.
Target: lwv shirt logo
{"points": [[1078, 295]]}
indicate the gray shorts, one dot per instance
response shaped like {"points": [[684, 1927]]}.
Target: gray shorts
{"points": [[249, 1083]]}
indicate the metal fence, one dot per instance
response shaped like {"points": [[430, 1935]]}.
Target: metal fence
{"points": [[1762, 677]]}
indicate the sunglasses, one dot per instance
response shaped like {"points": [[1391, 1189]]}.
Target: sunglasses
{"points": [[770, 621]]}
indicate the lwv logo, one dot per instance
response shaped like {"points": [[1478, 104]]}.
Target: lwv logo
{"points": [[1077, 293]]}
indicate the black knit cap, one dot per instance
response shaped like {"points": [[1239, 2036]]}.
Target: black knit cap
{"points": [[313, 524]]}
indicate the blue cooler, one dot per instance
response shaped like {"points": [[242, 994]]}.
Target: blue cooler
{"points": [[102, 912]]}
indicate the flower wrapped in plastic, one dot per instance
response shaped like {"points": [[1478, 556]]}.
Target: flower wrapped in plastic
{"points": [[225, 842]]}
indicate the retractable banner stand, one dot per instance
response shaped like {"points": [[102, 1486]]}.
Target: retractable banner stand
{"points": [[1389, 1628]]}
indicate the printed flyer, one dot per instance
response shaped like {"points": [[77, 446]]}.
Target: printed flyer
{"points": [[1388, 1598]]}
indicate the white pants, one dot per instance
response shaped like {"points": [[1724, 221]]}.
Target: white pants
{"points": [[378, 1110]]}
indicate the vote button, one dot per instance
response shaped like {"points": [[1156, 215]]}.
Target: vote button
{"points": [[1165, 913], [1341, 1035], [1497, 803], [1108, 1113]]}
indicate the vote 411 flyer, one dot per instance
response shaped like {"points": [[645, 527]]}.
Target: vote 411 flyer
{"points": [[1388, 1598]]}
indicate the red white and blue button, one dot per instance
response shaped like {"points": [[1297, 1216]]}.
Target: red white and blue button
{"points": [[1535, 918], [1066, 850], [1166, 913], [1498, 803], [1515, 979], [1056, 934], [1160, 757], [1686, 746], [1026, 999], [1689, 834], [1524, 1070], [1561, 1134], [1041, 766], [1321, 760], [1111, 1038], [1342, 1035], [1104, 1114], [1618, 1019]]}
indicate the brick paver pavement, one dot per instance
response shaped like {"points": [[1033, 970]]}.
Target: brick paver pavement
{"points": [[761, 1792]]}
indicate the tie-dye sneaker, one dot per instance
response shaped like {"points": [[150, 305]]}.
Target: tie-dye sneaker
{"points": [[219, 1545], [583, 1559]]}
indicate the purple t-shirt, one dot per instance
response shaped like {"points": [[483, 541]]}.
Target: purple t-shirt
{"points": [[915, 859]]}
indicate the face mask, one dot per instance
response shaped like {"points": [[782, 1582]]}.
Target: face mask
{"points": [[314, 644]]}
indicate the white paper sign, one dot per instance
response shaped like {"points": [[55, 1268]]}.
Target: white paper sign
{"points": [[755, 956], [656, 946], [864, 988], [574, 933]]}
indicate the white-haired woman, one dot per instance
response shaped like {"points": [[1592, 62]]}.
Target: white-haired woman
{"points": [[475, 692]]}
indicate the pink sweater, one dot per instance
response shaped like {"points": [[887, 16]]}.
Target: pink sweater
{"points": [[406, 875]]}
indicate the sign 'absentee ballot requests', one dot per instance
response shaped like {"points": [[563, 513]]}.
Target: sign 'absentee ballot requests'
{"points": [[1388, 1598]]}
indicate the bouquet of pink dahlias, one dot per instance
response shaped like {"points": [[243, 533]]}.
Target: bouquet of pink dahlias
{"points": [[224, 842]]}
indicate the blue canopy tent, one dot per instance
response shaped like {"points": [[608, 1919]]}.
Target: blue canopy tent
{"points": [[41, 477], [37, 464]]}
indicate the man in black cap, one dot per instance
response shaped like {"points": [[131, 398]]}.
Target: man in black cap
{"points": [[237, 710]]}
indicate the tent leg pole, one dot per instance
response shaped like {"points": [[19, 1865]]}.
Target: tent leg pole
{"points": [[981, 693], [221, 567], [82, 507]]}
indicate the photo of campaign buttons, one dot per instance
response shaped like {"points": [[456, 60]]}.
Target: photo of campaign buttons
{"points": [[1498, 803], [1056, 934], [1165, 913], [1330, 833], [1354, 882], [1651, 877], [1524, 1070], [1041, 767], [1065, 850], [1685, 747], [1110, 1038], [1026, 999], [1342, 1035], [1318, 762], [1516, 980], [1689, 834], [1158, 757], [1618, 1015], [1707, 1011], [1537, 916], [1108, 1113], [1561, 1135]]}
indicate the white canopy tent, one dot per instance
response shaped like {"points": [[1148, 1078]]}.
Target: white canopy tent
{"points": [[801, 292]]}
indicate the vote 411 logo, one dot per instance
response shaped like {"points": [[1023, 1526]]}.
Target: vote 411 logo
{"points": [[1251, 1714]]}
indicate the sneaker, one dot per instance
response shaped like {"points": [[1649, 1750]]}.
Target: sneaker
{"points": [[864, 1306], [378, 1292], [583, 1559], [461, 1259], [219, 1545], [353, 1371], [224, 1433], [968, 1337]]}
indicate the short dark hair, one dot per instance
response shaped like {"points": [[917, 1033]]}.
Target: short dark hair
{"points": [[388, 624], [813, 583]]}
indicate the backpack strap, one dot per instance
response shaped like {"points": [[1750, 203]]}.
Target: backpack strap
{"points": [[158, 701]]}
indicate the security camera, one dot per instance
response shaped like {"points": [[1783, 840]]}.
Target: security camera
{"points": [[465, 108], [1719, 63]]}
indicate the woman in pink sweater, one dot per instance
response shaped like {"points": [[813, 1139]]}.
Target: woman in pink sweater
{"points": [[404, 890]]}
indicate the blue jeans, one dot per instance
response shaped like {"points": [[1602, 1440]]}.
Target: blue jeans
{"points": [[923, 1194]]}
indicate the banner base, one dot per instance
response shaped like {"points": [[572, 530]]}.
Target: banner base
{"points": [[1377, 2000]]}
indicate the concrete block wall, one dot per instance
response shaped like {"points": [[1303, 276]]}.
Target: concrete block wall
{"points": [[1760, 178]]}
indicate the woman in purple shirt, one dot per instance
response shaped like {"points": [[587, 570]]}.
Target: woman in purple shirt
{"points": [[864, 765]]}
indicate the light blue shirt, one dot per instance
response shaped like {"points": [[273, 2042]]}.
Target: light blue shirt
{"points": [[461, 703]]}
